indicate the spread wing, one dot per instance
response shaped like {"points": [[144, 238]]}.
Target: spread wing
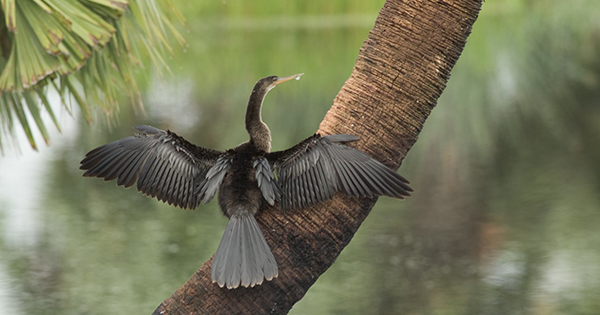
{"points": [[313, 170], [164, 165], [266, 181], [214, 177]]}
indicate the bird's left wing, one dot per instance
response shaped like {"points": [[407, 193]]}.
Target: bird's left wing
{"points": [[313, 170], [164, 165]]}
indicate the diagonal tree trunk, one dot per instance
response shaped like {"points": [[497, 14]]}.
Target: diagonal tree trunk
{"points": [[400, 73]]}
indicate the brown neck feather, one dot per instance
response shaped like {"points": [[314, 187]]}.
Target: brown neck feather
{"points": [[260, 135]]}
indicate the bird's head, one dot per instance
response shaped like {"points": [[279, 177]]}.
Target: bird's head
{"points": [[267, 83]]}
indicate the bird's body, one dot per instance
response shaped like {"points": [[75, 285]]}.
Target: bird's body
{"points": [[239, 185], [173, 170]]}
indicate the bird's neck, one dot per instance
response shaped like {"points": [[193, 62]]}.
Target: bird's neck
{"points": [[260, 135]]}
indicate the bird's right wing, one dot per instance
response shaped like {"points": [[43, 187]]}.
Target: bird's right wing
{"points": [[316, 168], [165, 166], [266, 181]]}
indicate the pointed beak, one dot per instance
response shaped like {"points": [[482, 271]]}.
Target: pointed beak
{"points": [[283, 79]]}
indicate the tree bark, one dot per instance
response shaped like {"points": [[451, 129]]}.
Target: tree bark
{"points": [[400, 73]]}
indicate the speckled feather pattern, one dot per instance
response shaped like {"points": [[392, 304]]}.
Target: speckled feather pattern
{"points": [[177, 172]]}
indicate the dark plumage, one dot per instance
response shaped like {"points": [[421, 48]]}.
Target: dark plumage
{"points": [[175, 171]]}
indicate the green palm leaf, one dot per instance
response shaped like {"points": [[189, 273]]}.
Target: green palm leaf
{"points": [[87, 50]]}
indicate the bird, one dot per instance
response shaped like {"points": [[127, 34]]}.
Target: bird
{"points": [[249, 178]]}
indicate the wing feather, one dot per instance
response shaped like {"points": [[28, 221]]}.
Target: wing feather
{"points": [[164, 165], [266, 181], [131, 173], [214, 177], [316, 168]]}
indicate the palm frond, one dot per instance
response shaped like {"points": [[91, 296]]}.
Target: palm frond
{"points": [[87, 50]]}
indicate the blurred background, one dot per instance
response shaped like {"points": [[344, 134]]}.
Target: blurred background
{"points": [[506, 209]]}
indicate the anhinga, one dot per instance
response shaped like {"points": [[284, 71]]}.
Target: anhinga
{"points": [[173, 170]]}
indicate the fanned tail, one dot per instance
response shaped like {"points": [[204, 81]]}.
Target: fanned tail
{"points": [[243, 257]]}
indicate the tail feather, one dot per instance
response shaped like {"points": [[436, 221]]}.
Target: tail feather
{"points": [[243, 256]]}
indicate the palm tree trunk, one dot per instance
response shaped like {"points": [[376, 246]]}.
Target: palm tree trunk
{"points": [[400, 73]]}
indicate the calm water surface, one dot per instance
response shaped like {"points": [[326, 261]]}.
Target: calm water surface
{"points": [[506, 210]]}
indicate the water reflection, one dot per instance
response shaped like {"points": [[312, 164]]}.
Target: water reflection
{"points": [[504, 218]]}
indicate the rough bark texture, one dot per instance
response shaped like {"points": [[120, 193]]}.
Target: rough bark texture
{"points": [[400, 73]]}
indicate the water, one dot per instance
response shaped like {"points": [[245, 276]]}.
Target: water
{"points": [[503, 219]]}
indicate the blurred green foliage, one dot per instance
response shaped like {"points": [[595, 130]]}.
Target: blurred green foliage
{"points": [[86, 50], [506, 175]]}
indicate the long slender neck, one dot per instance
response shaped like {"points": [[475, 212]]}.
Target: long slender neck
{"points": [[260, 135]]}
